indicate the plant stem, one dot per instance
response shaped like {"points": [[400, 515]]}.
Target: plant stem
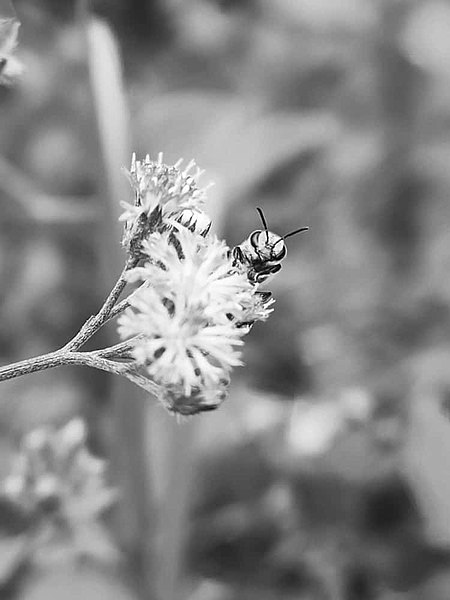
{"points": [[57, 359], [32, 365], [96, 360], [120, 350], [93, 324], [119, 308]]}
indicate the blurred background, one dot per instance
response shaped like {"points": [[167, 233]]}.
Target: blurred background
{"points": [[326, 475]]}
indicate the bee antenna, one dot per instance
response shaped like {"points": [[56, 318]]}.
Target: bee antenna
{"points": [[264, 222], [294, 232]]}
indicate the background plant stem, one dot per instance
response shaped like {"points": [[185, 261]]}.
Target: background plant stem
{"points": [[135, 512]]}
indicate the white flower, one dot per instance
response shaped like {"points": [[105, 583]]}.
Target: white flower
{"points": [[162, 193], [179, 346], [187, 319], [187, 312], [257, 308], [10, 67], [197, 269], [55, 469]]}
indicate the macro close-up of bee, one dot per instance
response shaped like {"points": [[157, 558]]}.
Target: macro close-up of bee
{"points": [[262, 252]]}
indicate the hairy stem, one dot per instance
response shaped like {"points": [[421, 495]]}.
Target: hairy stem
{"points": [[58, 359], [119, 308], [121, 350], [94, 322], [32, 365], [95, 360]]}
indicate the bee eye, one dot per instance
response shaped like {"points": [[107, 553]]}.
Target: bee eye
{"points": [[281, 253], [254, 237]]}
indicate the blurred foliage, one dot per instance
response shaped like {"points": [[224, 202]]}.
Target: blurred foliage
{"points": [[326, 475]]}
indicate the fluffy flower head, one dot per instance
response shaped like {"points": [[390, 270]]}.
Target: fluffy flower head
{"points": [[195, 302], [186, 315], [161, 193]]}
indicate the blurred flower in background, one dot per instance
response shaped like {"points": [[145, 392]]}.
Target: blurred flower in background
{"points": [[52, 502], [10, 66], [57, 482]]}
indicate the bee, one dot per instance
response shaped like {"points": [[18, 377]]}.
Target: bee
{"points": [[262, 252]]}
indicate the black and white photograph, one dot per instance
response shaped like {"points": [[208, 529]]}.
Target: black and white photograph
{"points": [[224, 299]]}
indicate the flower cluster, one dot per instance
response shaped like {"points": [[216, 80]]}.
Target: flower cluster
{"points": [[55, 474], [188, 317], [193, 305], [161, 193]]}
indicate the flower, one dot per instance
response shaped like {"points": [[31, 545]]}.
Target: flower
{"points": [[258, 308], [179, 345], [10, 67], [195, 303], [185, 315], [185, 265], [55, 471], [59, 489], [204, 399], [162, 194]]}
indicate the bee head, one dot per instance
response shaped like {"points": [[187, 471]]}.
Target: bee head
{"points": [[268, 245]]}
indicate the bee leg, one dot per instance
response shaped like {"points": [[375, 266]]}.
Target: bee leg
{"points": [[191, 225], [239, 324], [265, 296], [242, 324], [176, 244], [264, 272], [237, 254], [208, 407], [252, 276], [205, 232]]}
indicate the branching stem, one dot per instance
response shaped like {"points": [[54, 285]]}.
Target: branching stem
{"points": [[57, 359], [112, 359], [94, 322]]}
